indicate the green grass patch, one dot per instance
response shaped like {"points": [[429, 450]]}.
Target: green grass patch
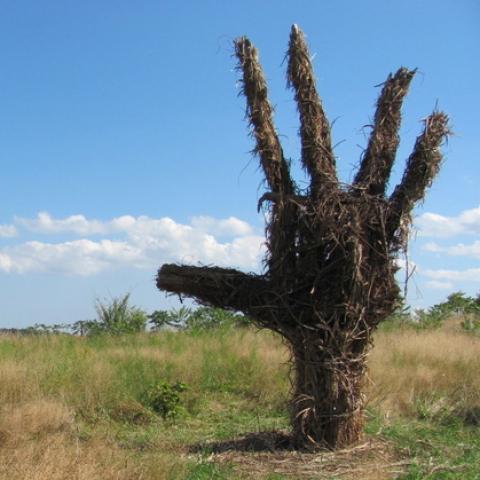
{"points": [[424, 399]]}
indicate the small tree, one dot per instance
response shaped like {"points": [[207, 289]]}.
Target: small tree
{"points": [[329, 277], [114, 318]]}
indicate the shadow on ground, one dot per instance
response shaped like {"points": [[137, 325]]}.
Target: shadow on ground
{"points": [[272, 441]]}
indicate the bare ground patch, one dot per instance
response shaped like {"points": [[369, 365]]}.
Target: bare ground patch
{"points": [[261, 454]]}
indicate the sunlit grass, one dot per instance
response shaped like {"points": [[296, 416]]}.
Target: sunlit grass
{"points": [[427, 371], [74, 407]]}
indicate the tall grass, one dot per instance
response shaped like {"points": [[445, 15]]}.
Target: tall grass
{"points": [[73, 407], [426, 372]]}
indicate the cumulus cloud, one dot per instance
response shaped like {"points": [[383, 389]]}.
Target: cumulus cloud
{"points": [[460, 249], [8, 231], [435, 225], [228, 226], [75, 224], [143, 242], [82, 257], [468, 275], [79, 225]]}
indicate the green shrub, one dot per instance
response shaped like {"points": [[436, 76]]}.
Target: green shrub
{"points": [[164, 398], [206, 318], [176, 318]]}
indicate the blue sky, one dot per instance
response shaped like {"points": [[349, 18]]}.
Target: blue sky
{"points": [[123, 143]]}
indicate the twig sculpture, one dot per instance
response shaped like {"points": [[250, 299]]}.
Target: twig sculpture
{"points": [[329, 276]]}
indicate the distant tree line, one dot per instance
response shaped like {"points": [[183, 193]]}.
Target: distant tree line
{"points": [[118, 317], [456, 304]]}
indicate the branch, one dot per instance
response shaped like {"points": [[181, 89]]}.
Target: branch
{"points": [[260, 113], [422, 166], [213, 286], [317, 152], [299, 200], [382, 147]]}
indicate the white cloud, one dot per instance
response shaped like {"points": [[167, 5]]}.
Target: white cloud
{"points": [[433, 224], [468, 275], [79, 225], [228, 226], [82, 257], [407, 268], [471, 250], [123, 223], [145, 243], [165, 239], [8, 231], [75, 224], [5, 262], [432, 247], [402, 263], [438, 285]]}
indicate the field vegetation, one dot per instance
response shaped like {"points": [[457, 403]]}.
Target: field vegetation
{"points": [[208, 400]]}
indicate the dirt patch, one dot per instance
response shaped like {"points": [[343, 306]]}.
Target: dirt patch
{"points": [[265, 453]]}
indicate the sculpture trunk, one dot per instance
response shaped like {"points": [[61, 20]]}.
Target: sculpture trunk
{"points": [[327, 403]]}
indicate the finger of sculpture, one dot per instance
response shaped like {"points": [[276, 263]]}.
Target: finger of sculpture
{"points": [[260, 115], [382, 147], [317, 153], [422, 166], [280, 236]]}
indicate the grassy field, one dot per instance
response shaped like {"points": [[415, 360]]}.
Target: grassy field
{"points": [[81, 408]]}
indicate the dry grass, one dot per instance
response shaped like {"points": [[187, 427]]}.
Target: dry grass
{"points": [[39, 441], [370, 460], [25, 421], [15, 383], [59, 457], [66, 404], [434, 370]]}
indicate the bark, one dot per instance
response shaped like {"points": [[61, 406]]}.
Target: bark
{"points": [[327, 404]]}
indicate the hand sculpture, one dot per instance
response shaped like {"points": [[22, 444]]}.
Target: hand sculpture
{"points": [[330, 267]]}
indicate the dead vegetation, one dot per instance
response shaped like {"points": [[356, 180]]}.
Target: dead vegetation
{"points": [[372, 460], [329, 272]]}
